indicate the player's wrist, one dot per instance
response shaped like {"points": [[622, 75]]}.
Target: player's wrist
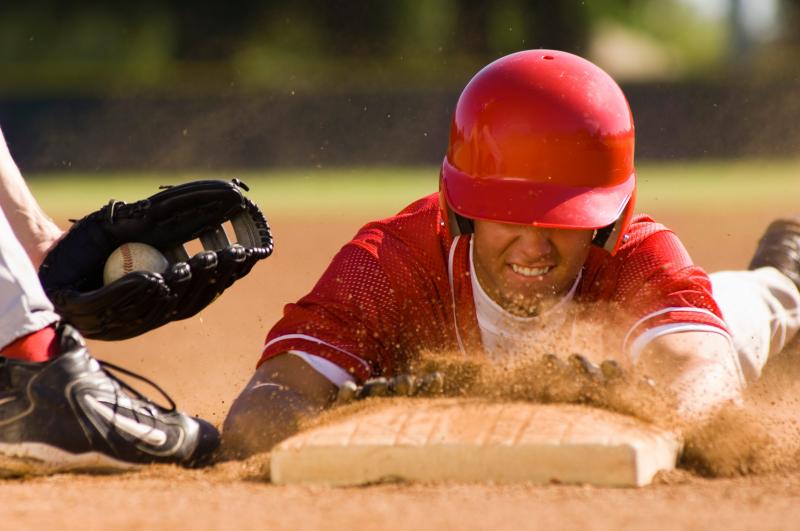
{"points": [[43, 238]]}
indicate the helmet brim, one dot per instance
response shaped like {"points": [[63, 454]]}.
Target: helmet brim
{"points": [[521, 201]]}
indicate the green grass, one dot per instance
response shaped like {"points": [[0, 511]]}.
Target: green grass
{"points": [[279, 191], [750, 184]]}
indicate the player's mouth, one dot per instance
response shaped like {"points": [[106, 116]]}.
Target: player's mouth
{"points": [[531, 272]]}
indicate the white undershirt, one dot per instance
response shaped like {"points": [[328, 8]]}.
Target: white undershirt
{"points": [[503, 333]]}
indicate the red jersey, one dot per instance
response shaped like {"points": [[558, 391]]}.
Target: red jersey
{"points": [[402, 286]]}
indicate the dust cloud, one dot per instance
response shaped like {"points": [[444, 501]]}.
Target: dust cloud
{"points": [[760, 436]]}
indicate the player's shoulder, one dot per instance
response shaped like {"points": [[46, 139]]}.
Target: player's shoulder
{"points": [[649, 251], [645, 240], [652, 247], [424, 211], [642, 228], [417, 227]]}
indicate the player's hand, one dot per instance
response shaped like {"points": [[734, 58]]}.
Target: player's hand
{"points": [[580, 367], [72, 272], [576, 379], [430, 384]]}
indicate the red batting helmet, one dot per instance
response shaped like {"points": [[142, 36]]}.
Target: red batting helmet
{"points": [[542, 138]]}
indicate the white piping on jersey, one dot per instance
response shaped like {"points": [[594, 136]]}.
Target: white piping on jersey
{"points": [[319, 342], [662, 312], [335, 374], [673, 328], [453, 292]]}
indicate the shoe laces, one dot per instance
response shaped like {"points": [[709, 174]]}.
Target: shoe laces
{"points": [[106, 365]]}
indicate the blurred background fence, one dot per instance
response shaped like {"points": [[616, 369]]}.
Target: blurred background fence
{"points": [[185, 85]]}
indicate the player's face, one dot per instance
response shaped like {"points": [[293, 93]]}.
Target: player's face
{"points": [[526, 269]]}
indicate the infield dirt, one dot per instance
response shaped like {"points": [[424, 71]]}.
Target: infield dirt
{"points": [[742, 470]]}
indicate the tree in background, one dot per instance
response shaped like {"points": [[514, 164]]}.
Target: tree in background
{"points": [[93, 46]]}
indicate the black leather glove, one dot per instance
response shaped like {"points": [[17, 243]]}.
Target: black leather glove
{"points": [[72, 272]]}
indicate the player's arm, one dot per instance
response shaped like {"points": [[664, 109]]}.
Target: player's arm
{"points": [[699, 367], [338, 333], [676, 332], [32, 227], [284, 390]]}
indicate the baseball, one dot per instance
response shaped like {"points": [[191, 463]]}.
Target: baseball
{"points": [[134, 256]]}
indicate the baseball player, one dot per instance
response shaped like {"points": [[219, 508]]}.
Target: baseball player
{"points": [[534, 219], [61, 409]]}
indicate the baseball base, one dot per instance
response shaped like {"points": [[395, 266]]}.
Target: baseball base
{"points": [[475, 441]]}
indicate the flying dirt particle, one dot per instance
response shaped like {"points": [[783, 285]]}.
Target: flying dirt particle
{"points": [[760, 436]]}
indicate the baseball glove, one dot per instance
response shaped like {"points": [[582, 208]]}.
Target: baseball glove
{"points": [[72, 272]]}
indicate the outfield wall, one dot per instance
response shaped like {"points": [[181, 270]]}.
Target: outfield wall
{"points": [[674, 121]]}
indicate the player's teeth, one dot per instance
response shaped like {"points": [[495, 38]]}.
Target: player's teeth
{"points": [[530, 271]]}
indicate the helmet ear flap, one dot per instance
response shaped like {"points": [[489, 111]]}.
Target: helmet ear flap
{"points": [[602, 236], [612, 236], [455, 223]]}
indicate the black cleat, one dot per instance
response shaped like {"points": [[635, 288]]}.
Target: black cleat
{"points": [[71, 415], [780, 248]]}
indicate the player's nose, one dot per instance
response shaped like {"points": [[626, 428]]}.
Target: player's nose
{"points": [[534, 242]]}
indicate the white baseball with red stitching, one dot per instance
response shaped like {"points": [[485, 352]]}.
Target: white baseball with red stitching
{"points": [[133, 256]]}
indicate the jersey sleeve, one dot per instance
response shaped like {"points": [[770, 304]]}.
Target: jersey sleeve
{"points": [[369, 312], [338, 321], [658, 290]]}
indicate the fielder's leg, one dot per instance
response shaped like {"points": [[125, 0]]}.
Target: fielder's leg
{"points": [[24, 308], [59, 409]]}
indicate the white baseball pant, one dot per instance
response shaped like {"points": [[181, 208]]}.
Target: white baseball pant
{"points": [[762, 311], [24, 308]]}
